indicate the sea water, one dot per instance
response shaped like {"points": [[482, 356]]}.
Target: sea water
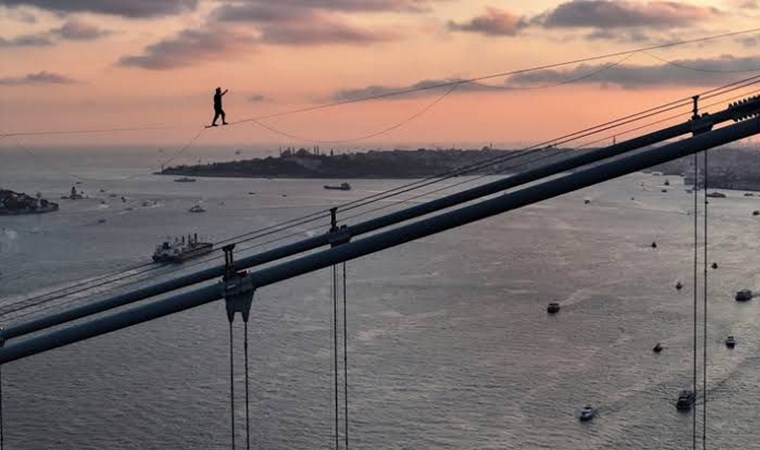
{"points": [[449, 342]]}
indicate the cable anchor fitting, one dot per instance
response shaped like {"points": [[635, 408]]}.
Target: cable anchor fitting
{"points": [[237, 287], [699, 124], [338, 235]]}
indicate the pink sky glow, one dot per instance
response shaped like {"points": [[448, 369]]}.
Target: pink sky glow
{"points": [[82, 64]]}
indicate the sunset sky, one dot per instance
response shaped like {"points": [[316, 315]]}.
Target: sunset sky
{"points": [[80, 64]]}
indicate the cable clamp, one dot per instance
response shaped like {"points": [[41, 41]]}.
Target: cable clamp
{"points": [[338, 235], [237, 287]]}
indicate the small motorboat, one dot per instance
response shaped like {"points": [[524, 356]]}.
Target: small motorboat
{"points": [[587, 413], [685, 399], [666, 183], [654, 244], [664, 191], [730, 342], [714, 265], [657, 348], [586, 201], [184, 180], [756, 212], [715, 194], [197, 209], [743, 295], [679, 285], [552, 308]]}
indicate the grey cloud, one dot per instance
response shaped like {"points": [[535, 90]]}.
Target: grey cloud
{"points": [[421, 88], [258, 98], [79, 31], [292, 22], [750, 41], [27, 40], [20, 15], [126, 8], [626, 35], [322, 30], [352, 5], [494, 22], [190, 47], [623, 14], [684, 72], [71, 30], [260, 12], [39, 78]]}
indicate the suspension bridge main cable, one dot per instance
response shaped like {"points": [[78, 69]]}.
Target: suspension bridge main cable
{"points": [[362, 202]]}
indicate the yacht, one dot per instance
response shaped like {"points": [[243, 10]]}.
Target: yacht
{"points": [[685, 399], [679, 285], [552, 308], [587, 413], [181, 248]]}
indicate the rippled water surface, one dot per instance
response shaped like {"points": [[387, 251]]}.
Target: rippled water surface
{"points": [[450, 346]]}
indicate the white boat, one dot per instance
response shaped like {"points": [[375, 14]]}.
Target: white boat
{"points": [[197, 209], [587, 413], [181, 248]]}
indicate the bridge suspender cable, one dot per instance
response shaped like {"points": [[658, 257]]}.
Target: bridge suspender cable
{"points": [[345, 357], [232, 391], [237, 291], [696, 252], [335, 348], [2, 431], [704, 321]]}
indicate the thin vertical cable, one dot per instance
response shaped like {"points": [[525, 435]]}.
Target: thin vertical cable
{"points": [[232, 391], [335, 347], [696, 252], [345, 356], [247, 416], [704, 324], [2, 431]]}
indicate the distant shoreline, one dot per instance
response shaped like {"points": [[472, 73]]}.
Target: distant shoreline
{"points": [[396, 164]]}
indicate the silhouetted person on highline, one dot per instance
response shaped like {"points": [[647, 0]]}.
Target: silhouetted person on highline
{"points": [[218, 111]]}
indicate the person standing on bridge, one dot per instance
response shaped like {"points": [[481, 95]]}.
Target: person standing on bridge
{"points": [[218, 111]]}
